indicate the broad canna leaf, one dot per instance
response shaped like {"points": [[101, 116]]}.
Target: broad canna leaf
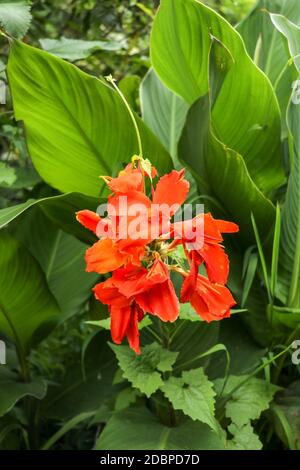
{"points": [[225, 176], [12, 390], [263, 42], [163, 111], [77, 126], [267, 48], [289, 259], [61, 257], [28, 310], [137, 428], [60, 209], [245, 112]]}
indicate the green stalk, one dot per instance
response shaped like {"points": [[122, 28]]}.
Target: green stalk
{"points": [[111, 80]]}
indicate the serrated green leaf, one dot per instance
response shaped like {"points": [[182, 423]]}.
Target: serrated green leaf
{"points": [[143, 371], [244, 438], [192, 393], [249, 400], [15, 17]]}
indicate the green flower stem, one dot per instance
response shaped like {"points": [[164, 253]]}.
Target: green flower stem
{"points": [[111, 80]]}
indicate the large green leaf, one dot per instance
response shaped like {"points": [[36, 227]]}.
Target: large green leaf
{"points": [[289, 260], [262, 40], [222, 173], [15, 16], [60, 209], [163, 111], [267, 48], [61, 257], [77, 126], [12, 390], [27, 308], [245, 114], [138, 429]]}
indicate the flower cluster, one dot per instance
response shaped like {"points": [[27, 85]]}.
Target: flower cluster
{"points": [[138, 245]]}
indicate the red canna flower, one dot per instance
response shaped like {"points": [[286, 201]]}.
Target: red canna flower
{"points": [[209, 250], [210, 301], [125, 314], [138, 244], [131, 292]]}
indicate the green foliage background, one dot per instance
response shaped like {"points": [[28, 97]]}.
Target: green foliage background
{"points": [[228, 385]]}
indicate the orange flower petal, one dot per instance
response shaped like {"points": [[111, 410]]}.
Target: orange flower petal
{"points": [[216, 262], [104, 257], [171, 189], [161, 301], [119, 322], [126, 182], [211, 301], [88, 219], [227, 227]]}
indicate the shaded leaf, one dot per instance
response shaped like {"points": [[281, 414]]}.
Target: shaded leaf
{"points": [[138, 429], [82, 393], [12, 389], [28, 309], [61, 257]]}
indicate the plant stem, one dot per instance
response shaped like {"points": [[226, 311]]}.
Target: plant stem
{"points": [[111, 80]]}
